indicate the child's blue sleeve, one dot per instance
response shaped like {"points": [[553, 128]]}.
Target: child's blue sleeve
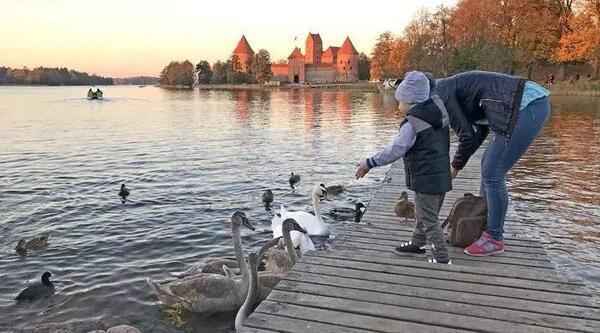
{"points": [[396, 149]]}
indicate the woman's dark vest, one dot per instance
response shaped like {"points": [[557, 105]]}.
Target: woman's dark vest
{"points": [[427, 163]]}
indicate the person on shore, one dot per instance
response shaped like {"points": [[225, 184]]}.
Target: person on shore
{"points": [[515, 111], [423, 141]]}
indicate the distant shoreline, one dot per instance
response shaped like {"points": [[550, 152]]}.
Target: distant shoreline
{"points": [[368, 86]]}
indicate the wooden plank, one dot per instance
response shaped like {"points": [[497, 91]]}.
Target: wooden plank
{"points": [[453, 251], [432, 272], [399, 236], [535, 306], [447, 307], [457, 259], [360, 239], [401, 230], [350, 319], [254, 330], [288, 324], [426, 317], [465, 287], [527, 274]]}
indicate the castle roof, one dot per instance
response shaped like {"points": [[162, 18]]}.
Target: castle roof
{"points": [[296, 54], [243, 47], [314, 37], [331, 51], [348, 47]]}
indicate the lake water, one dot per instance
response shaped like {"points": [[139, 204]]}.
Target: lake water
{"points": [[192, 158]]}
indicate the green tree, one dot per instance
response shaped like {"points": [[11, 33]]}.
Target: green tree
{"points": [[219, 71], [204, 72], [364, 67]]}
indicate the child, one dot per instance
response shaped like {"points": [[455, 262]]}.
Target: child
{"points": [[424, 143]]}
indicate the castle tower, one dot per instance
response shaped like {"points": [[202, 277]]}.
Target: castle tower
{"points": [[347, 62], [314, 49], [296, 67], [245, 54]]}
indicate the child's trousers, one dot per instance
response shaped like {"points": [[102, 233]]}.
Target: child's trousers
{"points": [[428, 229]]}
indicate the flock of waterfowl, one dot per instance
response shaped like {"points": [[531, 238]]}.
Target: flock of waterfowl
{"points": [[239, 283], [229, 284]]}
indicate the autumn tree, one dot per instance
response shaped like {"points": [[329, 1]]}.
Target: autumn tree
{"points": [[582, 43]]}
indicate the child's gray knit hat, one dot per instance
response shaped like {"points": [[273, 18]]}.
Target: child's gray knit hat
{"points": [[415, 88]]}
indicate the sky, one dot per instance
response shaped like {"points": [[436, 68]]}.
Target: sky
{"points": [[121, 38]]}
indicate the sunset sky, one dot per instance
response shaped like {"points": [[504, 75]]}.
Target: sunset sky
{"points": [[134, 37]]}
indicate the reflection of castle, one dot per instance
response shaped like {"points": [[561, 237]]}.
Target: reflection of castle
{"points": [[336, 64]]}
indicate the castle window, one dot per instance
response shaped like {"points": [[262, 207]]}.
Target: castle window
{"points": [[344, 68], [348, 61], [350, 67]]}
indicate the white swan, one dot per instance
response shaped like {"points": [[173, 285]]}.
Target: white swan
{"points": [[313, 224]]}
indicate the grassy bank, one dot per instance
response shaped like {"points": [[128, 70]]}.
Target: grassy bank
{"points": [[580, 88]]}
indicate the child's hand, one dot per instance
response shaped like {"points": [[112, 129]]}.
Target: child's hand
{"points": [[454, 172], [362, 170]]}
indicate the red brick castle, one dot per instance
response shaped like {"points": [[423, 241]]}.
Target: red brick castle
{"points": [[335, 64]]}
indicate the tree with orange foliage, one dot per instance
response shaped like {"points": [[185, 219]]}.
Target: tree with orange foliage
{"points": [[583, 42]]}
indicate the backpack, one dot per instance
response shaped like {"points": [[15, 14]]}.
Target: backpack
{"points": [[467, 220]]}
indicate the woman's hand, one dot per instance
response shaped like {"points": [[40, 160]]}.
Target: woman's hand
{"points": [[454, 172], [362, 170]]}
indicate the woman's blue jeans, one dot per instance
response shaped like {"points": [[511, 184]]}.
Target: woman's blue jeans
{"points": [[502, 154]]}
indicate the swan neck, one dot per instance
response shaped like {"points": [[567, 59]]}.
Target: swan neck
{"points": [[289, 246], [237, 247], [244, 311], [316, 205]]}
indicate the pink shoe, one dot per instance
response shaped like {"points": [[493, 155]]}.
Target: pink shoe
{"points": [[485, 246]]}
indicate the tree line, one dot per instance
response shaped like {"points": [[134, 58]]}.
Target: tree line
{"points": [[511, 36], [50, 76], [221, 72], [232, 71]]}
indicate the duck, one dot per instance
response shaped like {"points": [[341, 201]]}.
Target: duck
{"points": [[294, 180], [215, 265], [404, 208], [42, 289], [35, 244], [283, 258], [313, 224], [346, 212], [123, 193], [267, 198], [335, 189]]}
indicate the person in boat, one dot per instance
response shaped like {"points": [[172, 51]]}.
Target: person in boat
{"points": [[515, 111], [99, 93], [423, 141], [90, 93]]}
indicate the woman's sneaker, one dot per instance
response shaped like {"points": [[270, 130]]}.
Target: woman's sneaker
{"points": [[485, 246], [409, 247]]}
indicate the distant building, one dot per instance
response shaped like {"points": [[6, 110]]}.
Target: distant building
{"points": [[335, 64], [245, 54]]}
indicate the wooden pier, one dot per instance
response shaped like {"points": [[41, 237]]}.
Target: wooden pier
{"points": [[362, 286]]}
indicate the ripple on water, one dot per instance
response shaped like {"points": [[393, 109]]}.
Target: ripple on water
{"points": [[192, 158]]}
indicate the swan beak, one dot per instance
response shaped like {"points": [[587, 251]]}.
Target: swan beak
{"points": [[247, 224]]}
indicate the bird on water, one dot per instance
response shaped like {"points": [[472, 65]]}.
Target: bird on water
{"points": [[123, 193], [267, 198], [38, 290], [294, 180]]}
